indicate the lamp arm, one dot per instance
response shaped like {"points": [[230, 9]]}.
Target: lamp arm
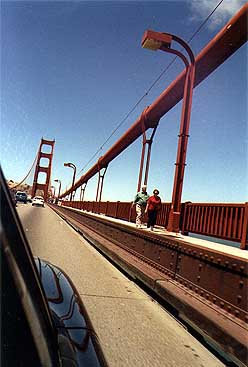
{"points": [[186, 47], [72, 165], [175, 52]]}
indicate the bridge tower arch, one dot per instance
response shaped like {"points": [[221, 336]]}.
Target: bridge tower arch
{"points": [[46, 170]]}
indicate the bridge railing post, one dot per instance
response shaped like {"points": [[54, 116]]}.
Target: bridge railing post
{"points": [[243, 243], [184, 216], [130, 211], [116, 209]]}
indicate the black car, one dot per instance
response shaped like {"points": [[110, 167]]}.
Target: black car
{"points": [[21, 196], [43, 320], [13, 196]]}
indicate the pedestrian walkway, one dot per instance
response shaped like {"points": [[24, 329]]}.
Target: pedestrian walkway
{"points": [[218, 247]]}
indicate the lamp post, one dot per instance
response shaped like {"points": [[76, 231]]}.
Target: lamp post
{"points": [[162, 41], [53, 190], [59, 186], [74, 174]]}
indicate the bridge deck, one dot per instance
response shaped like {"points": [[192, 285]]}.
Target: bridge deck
{"points": [[134, 331], [205, 282]]}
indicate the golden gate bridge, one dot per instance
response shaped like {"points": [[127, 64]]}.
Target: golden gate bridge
{"points": [[227, 221], [206, 283]]}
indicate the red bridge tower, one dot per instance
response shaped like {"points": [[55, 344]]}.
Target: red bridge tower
{"points": [[47, 169]]}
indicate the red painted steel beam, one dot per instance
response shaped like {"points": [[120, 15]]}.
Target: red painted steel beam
{"points": [[232, 36]]}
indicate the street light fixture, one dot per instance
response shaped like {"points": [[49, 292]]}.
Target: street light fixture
{"points": [[69, 164], [154, 40], [162, 41], [59, 186]]}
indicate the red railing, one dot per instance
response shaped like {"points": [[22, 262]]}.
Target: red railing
{"points": [[226, 221]]}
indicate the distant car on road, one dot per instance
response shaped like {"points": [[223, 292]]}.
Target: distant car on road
{"points": [[38, 201], [21, 196]]}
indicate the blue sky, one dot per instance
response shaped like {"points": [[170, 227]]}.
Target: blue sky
{"points": [[71, 71]]}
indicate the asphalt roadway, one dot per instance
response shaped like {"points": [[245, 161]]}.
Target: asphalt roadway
{"points": [[134, 330]]}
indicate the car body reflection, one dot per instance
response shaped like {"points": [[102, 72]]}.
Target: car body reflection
{"points": [[69, 314]]}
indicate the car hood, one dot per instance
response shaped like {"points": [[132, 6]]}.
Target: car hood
{"points": [[69, 314]]}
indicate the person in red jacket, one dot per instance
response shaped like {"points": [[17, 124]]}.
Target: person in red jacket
{"points": [[152, 208]]}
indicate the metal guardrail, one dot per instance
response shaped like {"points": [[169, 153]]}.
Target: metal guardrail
{"points": [[227, 221], [220, 220]]}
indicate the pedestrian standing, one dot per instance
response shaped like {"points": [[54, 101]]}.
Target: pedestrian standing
{"points": [[153, 206], [140, 201]]}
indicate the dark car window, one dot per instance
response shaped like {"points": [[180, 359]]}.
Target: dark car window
{"points": [[18, 348]]}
